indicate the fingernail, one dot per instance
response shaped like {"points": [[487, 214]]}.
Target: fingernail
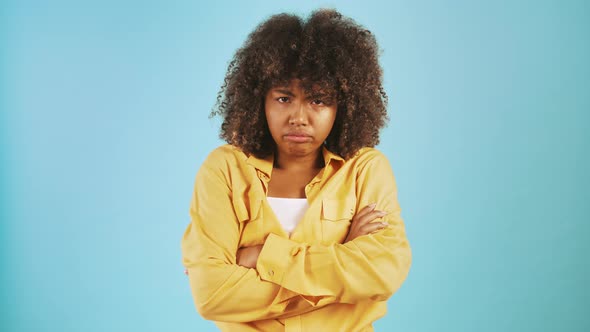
{"points": [[372, 206]]}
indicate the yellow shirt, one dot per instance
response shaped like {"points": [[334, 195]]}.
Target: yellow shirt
{"points": [[309, 281]]}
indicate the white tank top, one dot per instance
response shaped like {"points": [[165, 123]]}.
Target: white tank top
{"points": [[289, 211]]}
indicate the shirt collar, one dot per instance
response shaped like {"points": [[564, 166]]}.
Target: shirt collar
{"points": [[265, 164]]}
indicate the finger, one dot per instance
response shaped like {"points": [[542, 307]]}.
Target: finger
{"points": [[372, 227], [365, 210], [371, 216]]}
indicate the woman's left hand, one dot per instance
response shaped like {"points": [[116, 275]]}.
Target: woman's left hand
{"points": [[248, 256]]}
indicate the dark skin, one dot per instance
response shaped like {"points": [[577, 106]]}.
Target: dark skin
{"points": [[299, 124], [290, 183]]}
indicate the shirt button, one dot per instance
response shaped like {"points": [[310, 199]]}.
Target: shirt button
{"points": [[271, 273]]}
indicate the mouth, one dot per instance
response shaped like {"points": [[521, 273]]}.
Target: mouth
{"points": [[298, 137]]}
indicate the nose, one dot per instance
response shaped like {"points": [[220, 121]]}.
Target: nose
{"points": [[299, 115]]}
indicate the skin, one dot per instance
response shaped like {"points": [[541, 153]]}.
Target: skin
{"points": [[299, 124]]}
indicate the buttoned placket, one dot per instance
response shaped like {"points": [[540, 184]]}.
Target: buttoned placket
{"points": [[312, 188], [264, 178], [294, 324]]}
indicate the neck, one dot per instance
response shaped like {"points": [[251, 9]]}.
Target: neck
{"points": [[297, 163]]}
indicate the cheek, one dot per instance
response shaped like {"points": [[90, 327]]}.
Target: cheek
{"points": [[272, 122], [327, 121]]}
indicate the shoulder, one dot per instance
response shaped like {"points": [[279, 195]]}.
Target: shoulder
{"points": [[225, 155], [368, 156], [372, 165], [222, 162]]}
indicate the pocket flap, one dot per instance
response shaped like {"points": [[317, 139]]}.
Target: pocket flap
{"points": [[338, 208], [246, 206]]}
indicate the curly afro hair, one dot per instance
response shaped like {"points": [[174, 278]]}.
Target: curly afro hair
{"points": [[327, 51]]}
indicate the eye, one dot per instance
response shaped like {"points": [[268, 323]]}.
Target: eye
{"points": [[283, 100], [318, 102]]}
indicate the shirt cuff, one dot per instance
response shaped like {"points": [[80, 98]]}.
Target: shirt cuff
{"points": [[276, 255]]}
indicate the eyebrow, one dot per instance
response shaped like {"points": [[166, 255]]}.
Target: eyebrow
{"points": [[319, 95], [283, 91]]}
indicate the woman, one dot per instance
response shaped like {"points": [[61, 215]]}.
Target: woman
{"points": [[295, 224]]}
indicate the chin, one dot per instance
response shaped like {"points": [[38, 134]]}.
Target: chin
{"points": [[300, 149]]}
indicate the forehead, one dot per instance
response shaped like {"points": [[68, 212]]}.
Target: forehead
{"points": [[308, 87]]}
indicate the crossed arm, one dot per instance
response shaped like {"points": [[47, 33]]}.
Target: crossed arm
{"points": [[272, 280], [362, 224]]}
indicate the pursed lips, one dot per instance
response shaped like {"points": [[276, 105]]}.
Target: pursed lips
{"points": [[297, 137]]}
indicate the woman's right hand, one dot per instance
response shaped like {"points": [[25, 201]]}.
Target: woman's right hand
{"points": [[362, 222]]}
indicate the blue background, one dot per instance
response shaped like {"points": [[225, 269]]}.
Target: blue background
{"points": [[104, 124]]}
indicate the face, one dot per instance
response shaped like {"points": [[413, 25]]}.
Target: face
{"points": [[299, 123]]}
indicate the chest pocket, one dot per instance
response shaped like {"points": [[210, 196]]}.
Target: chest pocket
{"points": [[337, 215], [247, 207]]}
